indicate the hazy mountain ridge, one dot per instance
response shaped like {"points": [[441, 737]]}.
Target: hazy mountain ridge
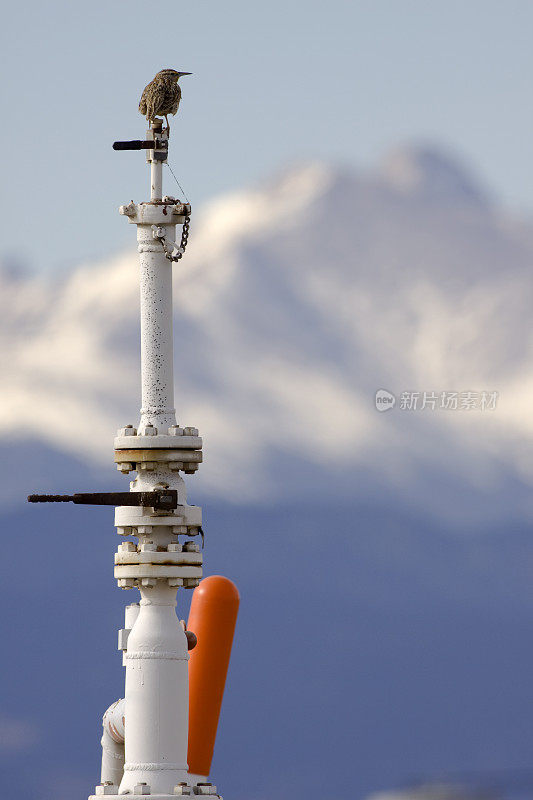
{"points": [[296, 301]]}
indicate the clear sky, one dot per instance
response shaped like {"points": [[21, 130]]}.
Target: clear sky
{"points": [[274, 82]]}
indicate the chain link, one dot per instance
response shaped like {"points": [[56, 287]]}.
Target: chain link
{"points": [[183, 242], [184, 237]]}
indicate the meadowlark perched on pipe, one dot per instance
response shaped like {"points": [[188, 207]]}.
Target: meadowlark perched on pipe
{"points": [[162, 95]]}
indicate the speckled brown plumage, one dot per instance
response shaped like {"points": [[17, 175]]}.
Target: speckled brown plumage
{"points": [[162, 95]]}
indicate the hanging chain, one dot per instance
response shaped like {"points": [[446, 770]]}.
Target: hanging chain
{"points": [[184, 239], [172, 252]]}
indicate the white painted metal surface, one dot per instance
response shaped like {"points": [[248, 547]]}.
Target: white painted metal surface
{"points": [[145, 734], [157, 368], [156, 695], [113, 744]]}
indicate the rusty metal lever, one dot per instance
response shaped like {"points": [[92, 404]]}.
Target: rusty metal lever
{"points": [[160, 501], [140, 144]]}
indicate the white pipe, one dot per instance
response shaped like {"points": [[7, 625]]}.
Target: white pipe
{"points": [[113, 744], [156, 180], [157, 370], [157, 696]]}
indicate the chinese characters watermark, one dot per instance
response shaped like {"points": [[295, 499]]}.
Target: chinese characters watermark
{"points": [[437, 401]]}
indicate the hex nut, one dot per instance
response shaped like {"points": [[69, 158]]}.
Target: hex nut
{"points": [[127, 547], [182, 788], [125, 467], [190, 431], [149, 430], [175, 430], [177, 529], [141, 788], [106, 788], [174, 547], [191, 547], [205, 788], [148, 583], [148, 547], [175, 583], [128, 430]]}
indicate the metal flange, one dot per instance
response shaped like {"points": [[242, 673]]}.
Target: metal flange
{"points": [[138, 571], [186, 517], [156, 557], [137, 459], [158, 441], [161, 213]]}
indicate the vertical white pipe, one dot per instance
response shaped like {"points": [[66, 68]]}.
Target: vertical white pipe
{"points": [[112, 760], [156, 180], [113, 744], [157, 369], [157, 697]]}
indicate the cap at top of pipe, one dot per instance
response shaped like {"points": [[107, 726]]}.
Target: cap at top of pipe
{"points": [[219, 589]]}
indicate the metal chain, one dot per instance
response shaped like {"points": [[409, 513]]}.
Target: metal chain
{"points": [[184, 237], [183, 242]]}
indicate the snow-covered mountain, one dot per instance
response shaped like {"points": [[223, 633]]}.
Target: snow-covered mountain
{"points": [[296, 301]]}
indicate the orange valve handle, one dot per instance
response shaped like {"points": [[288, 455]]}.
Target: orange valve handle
{"points": [[213, 614]]}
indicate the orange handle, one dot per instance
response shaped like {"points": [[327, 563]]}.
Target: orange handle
{"points": [[213, 614]]}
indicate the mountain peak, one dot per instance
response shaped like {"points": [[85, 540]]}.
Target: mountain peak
{"points": [[432, 173]]}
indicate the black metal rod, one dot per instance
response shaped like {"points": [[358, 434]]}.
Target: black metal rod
{"points": [[50, 498], [139, 144], [162, 500]]}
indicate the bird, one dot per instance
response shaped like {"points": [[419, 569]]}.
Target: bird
{"points": [[162, 95]]}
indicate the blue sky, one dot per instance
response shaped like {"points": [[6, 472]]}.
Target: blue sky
{"points": [[273, 83]]}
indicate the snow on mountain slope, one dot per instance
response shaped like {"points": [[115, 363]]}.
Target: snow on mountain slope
{"points": [[295, 303]]}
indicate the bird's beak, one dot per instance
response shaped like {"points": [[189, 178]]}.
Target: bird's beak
{"points": [[184, 73]]}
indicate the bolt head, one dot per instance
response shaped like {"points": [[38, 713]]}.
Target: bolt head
{"points": [[179, 529], [191, 547], [125, 467], [191, 431], [148, 583], [149, 430], [127, 547], [127, 430], [175, 430], [106, 788]]}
